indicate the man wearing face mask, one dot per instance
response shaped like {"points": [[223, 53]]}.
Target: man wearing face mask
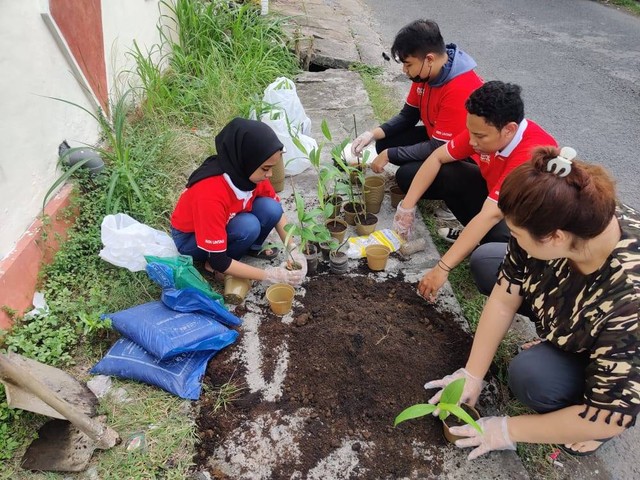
{"points": [[443, 77]]}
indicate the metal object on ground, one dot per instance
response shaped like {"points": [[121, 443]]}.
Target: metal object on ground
{"points": [[63, 445]]}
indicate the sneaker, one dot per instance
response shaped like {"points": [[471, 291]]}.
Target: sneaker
{"points": [[443, 213], [449, 234]]}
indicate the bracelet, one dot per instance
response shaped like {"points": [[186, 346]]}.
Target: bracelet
{"points": [[444, 266]]}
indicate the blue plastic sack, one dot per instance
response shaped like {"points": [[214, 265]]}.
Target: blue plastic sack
{"points": [[185, 275], [180, 375], [161, 274], [165, 333], [193, 300]]}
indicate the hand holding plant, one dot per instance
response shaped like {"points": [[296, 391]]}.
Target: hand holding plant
{"points": [[449, 403], [494, 436], [298, 257], [282, 275], [472, 386]]}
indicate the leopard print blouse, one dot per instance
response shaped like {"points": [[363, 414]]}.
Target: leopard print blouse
{"points": [[596, 313]]}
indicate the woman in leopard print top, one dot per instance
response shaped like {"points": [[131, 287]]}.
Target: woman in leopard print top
{"points": [[574, 260]]}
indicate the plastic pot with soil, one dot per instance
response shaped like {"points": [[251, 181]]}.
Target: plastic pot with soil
{"points": [[453, 421], [452, 413], [337, 228], [313, 258], [351, 209], [366, 223]]}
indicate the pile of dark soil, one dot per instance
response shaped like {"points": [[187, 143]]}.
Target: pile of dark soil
{"points": [[360, 352]]}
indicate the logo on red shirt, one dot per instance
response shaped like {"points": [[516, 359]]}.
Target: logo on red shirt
{"points": [[485, 157]]}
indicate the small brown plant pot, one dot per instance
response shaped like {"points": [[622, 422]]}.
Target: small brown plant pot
{"points": [[453, 421], [396, 195], [373, 193], [336, 201], [311, 254], [338, 263], [280, 297], [235, 289], [337, 228], [351, 210], [366, 224], [377, 256], [325, 250]]}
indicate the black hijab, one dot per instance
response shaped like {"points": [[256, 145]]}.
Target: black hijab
{"points": [[242, 145]]}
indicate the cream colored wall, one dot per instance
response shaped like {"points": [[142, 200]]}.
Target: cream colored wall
{"points": [[124, 21], [33, 66]]}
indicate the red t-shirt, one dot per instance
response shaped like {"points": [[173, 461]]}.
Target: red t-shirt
{"points": [[442, 108], [206, 207], [496, 166]]}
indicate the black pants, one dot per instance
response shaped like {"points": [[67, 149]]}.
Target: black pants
{"points": [[407, 170], [546, 378], [464, 190]]}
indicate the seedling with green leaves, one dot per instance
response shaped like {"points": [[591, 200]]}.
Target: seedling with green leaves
{"points": [[449, 404]]}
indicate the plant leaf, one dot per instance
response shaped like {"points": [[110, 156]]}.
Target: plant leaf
{"points": [[414, 411], [464, 416], [453, 392], [324, 126]]}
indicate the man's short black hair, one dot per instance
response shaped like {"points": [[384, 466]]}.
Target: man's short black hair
{"points": [[497, 102], [417, 39]]}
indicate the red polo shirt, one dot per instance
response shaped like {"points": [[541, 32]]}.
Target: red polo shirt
{"points": [[206, 208], [496, 166], [442, 108]]}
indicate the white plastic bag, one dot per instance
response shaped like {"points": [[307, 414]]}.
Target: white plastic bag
{"points": [[282, 95], [126, 241], [287, 118]]}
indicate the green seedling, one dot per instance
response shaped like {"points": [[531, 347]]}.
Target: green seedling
{"points": [[449, 404]]}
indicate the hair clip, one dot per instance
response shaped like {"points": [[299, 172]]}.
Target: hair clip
{"points": [[561, 165]]}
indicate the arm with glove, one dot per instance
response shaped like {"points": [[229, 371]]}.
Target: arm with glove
{"points": [[405, 214], [494, 323]]}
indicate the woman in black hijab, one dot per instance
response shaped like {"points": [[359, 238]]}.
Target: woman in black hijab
{"points": [[229, 206]]}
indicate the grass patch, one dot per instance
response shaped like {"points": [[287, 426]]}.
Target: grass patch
{"points": [[632, 6], [227, 54], [381, 96]]}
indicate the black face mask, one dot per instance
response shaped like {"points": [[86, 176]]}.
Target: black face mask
{"points": [[418, 78]]}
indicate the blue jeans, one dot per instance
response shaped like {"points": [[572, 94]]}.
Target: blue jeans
{"points": [[245, 231]]}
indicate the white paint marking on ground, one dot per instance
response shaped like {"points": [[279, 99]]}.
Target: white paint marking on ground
{"points": [[253, 450], [340, 463], [251, 355]]}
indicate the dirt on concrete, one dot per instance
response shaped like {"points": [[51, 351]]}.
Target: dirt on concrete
{"points": [[360, 349]]}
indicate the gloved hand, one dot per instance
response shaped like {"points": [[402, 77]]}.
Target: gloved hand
{"points": [[282, 275], [403, 221], [472, 387], [495, 436], [299, 258], [361, 142]]}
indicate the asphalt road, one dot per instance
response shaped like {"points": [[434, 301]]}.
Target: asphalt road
{"points": [[577, 61]]}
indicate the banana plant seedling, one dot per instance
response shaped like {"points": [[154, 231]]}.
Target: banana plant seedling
{"points": [[449, 404]]}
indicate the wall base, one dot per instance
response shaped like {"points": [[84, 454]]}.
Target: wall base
{"points": [[19, 270]]}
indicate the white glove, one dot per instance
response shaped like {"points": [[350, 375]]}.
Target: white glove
{"points": [[403, 221], [470, 393], [299, 258], [282, 275], [494, 436], [361, 142]]}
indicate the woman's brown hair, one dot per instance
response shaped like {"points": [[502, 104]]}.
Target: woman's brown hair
{"points": [[581, 203]]}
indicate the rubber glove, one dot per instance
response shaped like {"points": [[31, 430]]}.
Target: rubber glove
{"points": [[494, 436], [472, 387], [403, 221], [282, 275], [361, 142], [299, 258]]}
